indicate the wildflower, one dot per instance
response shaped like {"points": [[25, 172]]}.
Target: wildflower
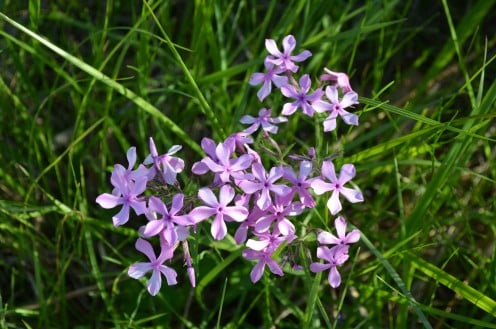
{"points": [[284, 60], [156, 265], [166, 225], [224, 166], [271, 76], [263, 120], [342, 238], [263, 182], [338, 79], [219, 208], [208, 145], [166, 164], [336, 108], [335, 257], [336, 185], [301, 184], [126, 193], [278, 211], [303, 100]]}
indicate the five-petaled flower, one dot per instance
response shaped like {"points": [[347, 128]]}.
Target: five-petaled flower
{"points": [[335, 257], [271, 76], [219, 208], [156, 265], [336, 107], [285, 60], [325, 237], [301, 95], [336, 185]]}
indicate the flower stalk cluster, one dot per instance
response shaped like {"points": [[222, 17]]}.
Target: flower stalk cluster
{"points": [[261, 201]]}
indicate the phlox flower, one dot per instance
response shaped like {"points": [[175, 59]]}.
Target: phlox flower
{"points": [[219, 208], [301, 183], [166, 165], [278, 212], [335, 256], [168, 223], [271, 76], [336, 185], [262, 250], [285, 60], [129, 173], [338, 79], [208, 145], [126, 193], [224, 166], [156, 265], [336, 107], [264, 258], [263, 120], [325, 237], [263, 182], [302, 98]]}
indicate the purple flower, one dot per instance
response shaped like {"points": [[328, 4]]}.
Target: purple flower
{"points": [[156, 265], [336, 108], [126, 193], [342, 238], [277, 212], [263, 182], [284, 60], [264, 258], [224, 166], [165, 164], [129, 173], [335, 257], [301, 184], [336, 185], [166, 224], [303, 100], [262, 251], [338, 79], [208, 145], [271, 76], [263, 120], [219, 208]]}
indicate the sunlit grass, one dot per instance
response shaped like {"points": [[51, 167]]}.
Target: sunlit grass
{"points": [[80, 84]]}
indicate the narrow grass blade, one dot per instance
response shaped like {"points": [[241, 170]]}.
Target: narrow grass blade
{"points": [[397, 279], [472, 295], [139, 101]]}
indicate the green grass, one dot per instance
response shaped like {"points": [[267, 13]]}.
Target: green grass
{"points": [[81, 82]]}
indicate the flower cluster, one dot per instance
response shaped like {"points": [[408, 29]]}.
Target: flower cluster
{"points": [[261, 200]]}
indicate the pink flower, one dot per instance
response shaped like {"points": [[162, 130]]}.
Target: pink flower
{"points": [[166, 164], [156, 265], [301, 96], [170, 224], [337, 79], [301, 184], [335, 257], [336, 108], [126, 193], [342, 238], [264, 120], [263, 182], [271, 76], [219, 208], [285, 60], [336, 185]]}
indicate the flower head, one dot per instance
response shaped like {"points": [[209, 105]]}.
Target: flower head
{"points": [[336, 185], [156, 266], [302, 98], [335, 257], [284, 59], [219, 208], [271, 76]]}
